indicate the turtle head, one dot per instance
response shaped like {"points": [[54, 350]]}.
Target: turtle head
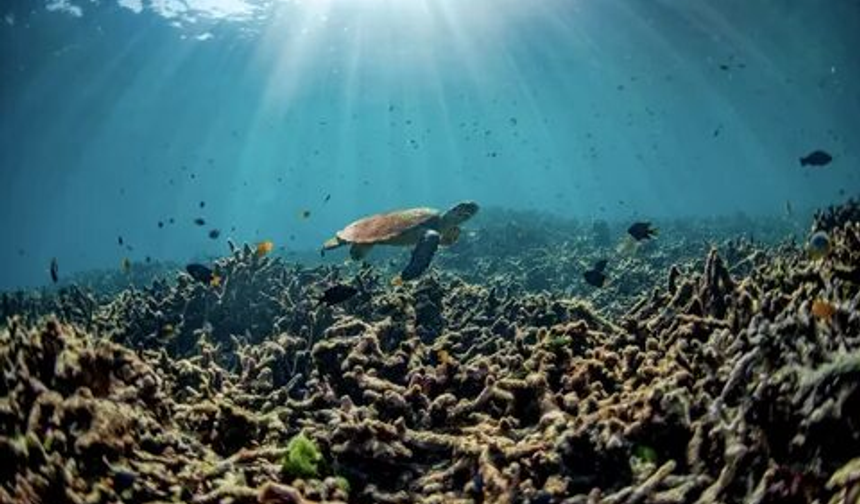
{"points": [[460, 213]]}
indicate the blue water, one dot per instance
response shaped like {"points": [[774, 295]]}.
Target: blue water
{"points": [[118, 115]]}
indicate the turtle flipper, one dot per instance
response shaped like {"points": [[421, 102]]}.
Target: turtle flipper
{"points": [[422, 254], [359, 251]]}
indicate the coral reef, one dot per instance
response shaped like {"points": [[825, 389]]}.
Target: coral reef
{"points": [[703, 374]]}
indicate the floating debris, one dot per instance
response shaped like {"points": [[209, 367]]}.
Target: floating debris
{"points": [[642, 231], [816, 158]]}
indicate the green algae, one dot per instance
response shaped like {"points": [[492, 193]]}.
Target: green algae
{"points": [[303, 458]]}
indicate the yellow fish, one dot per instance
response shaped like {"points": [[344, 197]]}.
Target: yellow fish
{"points": [[823, 310], [264, 247], [397, 281], [216, 281]]}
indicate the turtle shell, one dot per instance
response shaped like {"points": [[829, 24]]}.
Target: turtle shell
{"points": [[387, 226]]}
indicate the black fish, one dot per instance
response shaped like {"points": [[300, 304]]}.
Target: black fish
{"points": [[200, 221], [337, 293], [119, 240], [642, 231], [160, 224], [200, 273], [55, 270], [327, 197], [816, 158], [595, 276], [214, 234], [422, 254], [202, 204]]}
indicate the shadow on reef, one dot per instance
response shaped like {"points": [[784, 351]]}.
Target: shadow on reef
{"points": [[729, 372]]}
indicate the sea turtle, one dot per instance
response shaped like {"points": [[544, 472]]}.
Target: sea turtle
{"points": [[424, 228]]}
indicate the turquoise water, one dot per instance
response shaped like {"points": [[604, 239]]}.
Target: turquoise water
{"points": [[119, 115]]}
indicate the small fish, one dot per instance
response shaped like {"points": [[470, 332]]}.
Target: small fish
{"points": [[337, 293], [789, 210], [125, 265], [443, 357], [214, 234], [202, 204], [397, 281], [305, 214], [203, 274], [642, 231], [596, 276], [166, 332], [819, 245], [816, 158], [55, 270], [120, 241], [160, 224], [200, 221], [264, 247], [823, 310], [327, 197]]}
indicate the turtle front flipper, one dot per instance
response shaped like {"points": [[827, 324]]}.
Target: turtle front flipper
{"points": [[422, 254], [359, 251]]}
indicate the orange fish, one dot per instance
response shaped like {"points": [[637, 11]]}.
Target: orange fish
{"points": [[823, 310], [264, 247]]}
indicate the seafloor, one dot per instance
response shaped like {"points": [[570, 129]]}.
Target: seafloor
{"points": [[718, 364]]}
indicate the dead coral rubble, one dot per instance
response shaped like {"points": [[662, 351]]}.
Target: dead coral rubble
{"points": [[722, 383]]}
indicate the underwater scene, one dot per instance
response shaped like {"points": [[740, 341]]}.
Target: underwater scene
{"points": [[430, 251]]}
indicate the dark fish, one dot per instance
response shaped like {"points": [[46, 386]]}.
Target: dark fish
{"points": [[200, 273], [642, 231], [119, 240], [305, 214], [160, 224], [55, 270], [202, 204], [200, 221], [327, 197], [596, 276], [214, 234], [337, 293], [816, 158], [422, 254]]}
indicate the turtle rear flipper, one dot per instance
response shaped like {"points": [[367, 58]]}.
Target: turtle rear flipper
{"points": [[359, 251], [422, 254]]}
